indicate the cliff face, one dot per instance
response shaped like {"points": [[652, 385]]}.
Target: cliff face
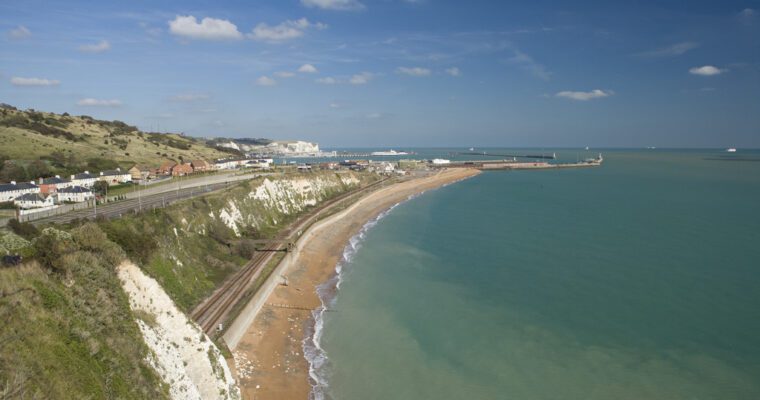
{"points": [[78, 322], [187, 360], [198, 243]]}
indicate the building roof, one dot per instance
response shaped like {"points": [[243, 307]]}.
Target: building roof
{"points": [[85, 175], [200, 163], [54, 181], [74, 189], [9, 187], [30, 197], [113, 172]]}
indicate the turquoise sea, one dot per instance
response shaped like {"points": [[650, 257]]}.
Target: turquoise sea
{"points": [[639, 279]]}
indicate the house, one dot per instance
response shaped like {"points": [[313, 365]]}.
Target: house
{"points": [[115, 176], [166, 168], [182, 169], [84, 179], [10, 191], [33, 200], [51, 185], [382, 167], [440, 161], [304, 167], [201, 165], [141, 173], [230, 163], [74, 194], [260, 163]]}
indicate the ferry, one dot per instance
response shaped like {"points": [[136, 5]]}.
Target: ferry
{"points": [[731, 150], [389, 153]]}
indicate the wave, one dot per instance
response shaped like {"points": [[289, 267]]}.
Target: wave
{"points": [[319, 363]]}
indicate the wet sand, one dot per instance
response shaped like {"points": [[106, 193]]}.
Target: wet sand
{"points": [[268, 359]]}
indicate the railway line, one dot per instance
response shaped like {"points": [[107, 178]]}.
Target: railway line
{"points": [[214, 311]]}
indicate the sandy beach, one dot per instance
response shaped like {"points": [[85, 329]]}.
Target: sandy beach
{"points": [[268, 359]]}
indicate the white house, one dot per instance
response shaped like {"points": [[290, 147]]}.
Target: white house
{"points": [[115, 176], [84, 179], [382, 167], [75, 194], [9, 191], [33, 200], [441, 161], [263, 163], [230, 163]]}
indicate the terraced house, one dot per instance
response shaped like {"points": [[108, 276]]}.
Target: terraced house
{"points": [[10, 191], [115, 176]]}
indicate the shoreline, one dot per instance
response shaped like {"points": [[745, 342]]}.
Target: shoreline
{"points": [[268, 357]]}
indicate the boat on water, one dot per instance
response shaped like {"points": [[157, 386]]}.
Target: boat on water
{"points": [[472, 149], [731, 150], [389, 153]]}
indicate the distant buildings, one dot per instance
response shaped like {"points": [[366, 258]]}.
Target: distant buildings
{"points": [[74, 194], [10, 191], [51, 185], [84, 179], [34, 200], [115, 176], [182, 169]]}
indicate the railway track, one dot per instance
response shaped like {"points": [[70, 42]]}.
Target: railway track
{"points": [[212, 313]]}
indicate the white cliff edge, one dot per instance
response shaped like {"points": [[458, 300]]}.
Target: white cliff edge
{"points": [[185, 358]]}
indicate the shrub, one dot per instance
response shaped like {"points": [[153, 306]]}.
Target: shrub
{"points": [[23, 229]]}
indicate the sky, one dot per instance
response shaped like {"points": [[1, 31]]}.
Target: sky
{"points": [[397, 73]]}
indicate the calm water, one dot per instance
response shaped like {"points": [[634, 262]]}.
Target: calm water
{"points": [[636, 280]]}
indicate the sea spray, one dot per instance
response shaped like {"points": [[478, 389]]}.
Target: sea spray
{"points": [[319, 363]]}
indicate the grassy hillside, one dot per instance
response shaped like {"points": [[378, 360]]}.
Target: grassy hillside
{"points": [[66, 143], [66, 329]]}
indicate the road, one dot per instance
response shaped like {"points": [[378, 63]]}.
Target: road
{"points": [[153, 197]]}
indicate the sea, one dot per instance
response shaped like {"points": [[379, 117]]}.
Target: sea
{"points": [[638, 279]]}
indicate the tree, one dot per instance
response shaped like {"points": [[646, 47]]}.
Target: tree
{"points": [[13, 172], [100, 187], [38, 169]]}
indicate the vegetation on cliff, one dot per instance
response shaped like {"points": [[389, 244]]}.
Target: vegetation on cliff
{"points": [[66, 330]]}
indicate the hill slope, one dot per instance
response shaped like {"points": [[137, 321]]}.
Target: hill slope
{"points": [[68, 142]]}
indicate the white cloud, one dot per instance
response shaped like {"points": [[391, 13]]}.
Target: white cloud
{"points": [[20, 32], [99, 102], [584, 96], [189, 97], [208, 28], [284, 74], [374, 115], [707, 70], [361, 79], [453, 71], [527, 63], [670, 51], [285, 31], [16, 81], [335, 105], [327, 81], [342, 5], [413, 71], [308, 69], [99, 47], [265, 81]]}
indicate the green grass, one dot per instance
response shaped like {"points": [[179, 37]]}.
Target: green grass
{"points": [[70, 334]]}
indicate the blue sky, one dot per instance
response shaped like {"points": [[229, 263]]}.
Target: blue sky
{"points": [[397, 73]]}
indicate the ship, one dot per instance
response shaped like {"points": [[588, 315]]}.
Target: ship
{"points": [[731, 150], [389, 153]]}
